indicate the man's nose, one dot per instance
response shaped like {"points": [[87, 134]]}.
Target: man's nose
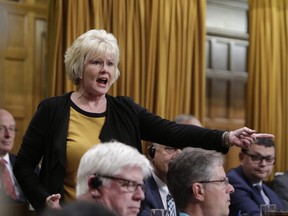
{"points": [[139, 193], [7, 132], [230, 188]]}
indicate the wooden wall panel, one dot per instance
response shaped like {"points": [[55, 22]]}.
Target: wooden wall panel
{"points": [[220, 54], [239, 56], [226, 80], [238, 100], [15, 67], [21, 23], [226, 67], [16, 26], [14, 82]]}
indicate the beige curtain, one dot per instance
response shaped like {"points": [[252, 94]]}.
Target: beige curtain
{"points": [[268, 73], [161, 49], [66, 21]]}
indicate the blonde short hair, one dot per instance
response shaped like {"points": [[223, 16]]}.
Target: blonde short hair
{"points": [[89, 45]]}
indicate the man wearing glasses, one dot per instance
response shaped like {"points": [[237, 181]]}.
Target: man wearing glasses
{"points": [[157, 195], [112, 174], [256, 163], [198, 183], [156, 191], [10, 191]]}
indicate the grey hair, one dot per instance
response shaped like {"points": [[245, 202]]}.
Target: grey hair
{"points": [[190, 166], [87, 46], [109, 159], [184, 118]]}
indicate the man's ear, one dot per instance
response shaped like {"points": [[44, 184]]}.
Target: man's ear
{"points": [[93, 189], [94, 182], [151, 150], [198, 191]]}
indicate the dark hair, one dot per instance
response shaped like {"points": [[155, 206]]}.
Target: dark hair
{"points": [[267, 142], [80, 208]]}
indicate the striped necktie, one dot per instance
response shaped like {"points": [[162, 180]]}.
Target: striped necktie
{"points": [[171, 205], [6, 180], [264, 196]]}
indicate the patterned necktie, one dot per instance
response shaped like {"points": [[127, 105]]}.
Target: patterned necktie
{"points": [[264, 196], [6, 180], [171, 205]]}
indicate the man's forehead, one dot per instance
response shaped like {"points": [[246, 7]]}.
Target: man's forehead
{"points": [[6, 120], [219, 171]]}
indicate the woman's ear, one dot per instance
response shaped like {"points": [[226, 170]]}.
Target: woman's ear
{"points": [[198, 191]]}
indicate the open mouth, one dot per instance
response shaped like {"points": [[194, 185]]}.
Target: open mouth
{"points": [[102, 80]]}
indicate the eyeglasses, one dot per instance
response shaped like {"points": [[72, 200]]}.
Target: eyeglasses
{"points": [[259, 158], [170, 150], [223, 182], [11, 129], [130, 185]]}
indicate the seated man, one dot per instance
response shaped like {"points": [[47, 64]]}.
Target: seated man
{"points": [[280, 186], [256, 163], [112, 174], [156, 191], [198, 183], [10, 191]]}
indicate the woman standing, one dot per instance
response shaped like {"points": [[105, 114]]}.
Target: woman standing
{"points": [[65, 127]]}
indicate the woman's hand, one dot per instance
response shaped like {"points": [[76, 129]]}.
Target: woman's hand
{"points": [[245, 137], [53, 201]]}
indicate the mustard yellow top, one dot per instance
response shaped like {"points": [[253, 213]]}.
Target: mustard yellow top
{"points": [[83, 132]]}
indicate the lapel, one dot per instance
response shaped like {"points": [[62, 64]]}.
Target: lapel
{"points": [[12, 158], [156, 201], [270, 195], [255, 193]]}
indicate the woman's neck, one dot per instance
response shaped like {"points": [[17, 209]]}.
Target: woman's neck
{"points": [[88, 103]]}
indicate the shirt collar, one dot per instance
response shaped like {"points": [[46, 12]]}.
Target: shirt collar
{"points": [[6, 158], [160, 183], [259, 183]]}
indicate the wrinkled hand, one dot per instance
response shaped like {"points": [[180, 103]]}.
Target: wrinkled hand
{"points": [[53, 201], [245, 137]]}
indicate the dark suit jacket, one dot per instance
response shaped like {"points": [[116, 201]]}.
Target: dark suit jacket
{"points": [[280, 186], [6, 199], [246, 197], [152, 197]]}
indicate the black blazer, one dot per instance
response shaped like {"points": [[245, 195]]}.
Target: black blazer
{"points": [[125, 121], [21, 197], [246, 197], [152, 197]]}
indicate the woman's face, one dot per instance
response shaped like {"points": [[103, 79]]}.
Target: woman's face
{"points": [[98, 75]]}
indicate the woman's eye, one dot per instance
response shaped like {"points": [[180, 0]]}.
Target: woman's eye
{"points": [[96, 62]]}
